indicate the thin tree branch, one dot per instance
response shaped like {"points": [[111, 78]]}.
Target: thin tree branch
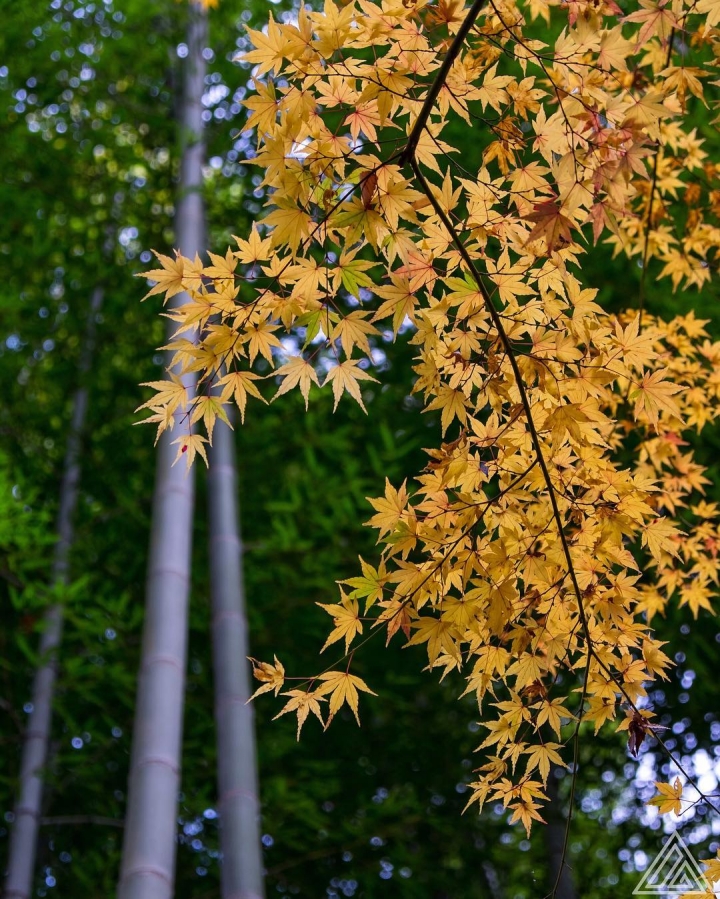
{"points": [[408, 153]]}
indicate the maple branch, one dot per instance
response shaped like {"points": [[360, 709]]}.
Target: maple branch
{"points": [[411, 596], [206, 379], [497, 321], [651, 200], [489, 348], [524, 399], [573, 782], [408, 152]]}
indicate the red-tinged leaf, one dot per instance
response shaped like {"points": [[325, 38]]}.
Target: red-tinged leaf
{"points": [[368, 189]]}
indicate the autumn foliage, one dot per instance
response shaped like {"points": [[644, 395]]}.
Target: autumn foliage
{"points": [[562, 509]]}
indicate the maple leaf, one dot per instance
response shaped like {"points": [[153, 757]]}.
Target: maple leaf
{"points": [[364, 118], [163, 417], [657, 18], [614, 50], [352, 329], [653, 395], [270, 48], [209, 408], [493, 90], [553, 713], [222, 269], [297, 371], [453, 404], [669, 798], [712, 8], [170, 394], [193, 271], [168, 279], [346, 377], [188, 446], [353, 273], [272, 677], [439, 635], [302, 702], [370, 585], [400, 300], [659, 538], [239, 385], [368, 187], [289, 224], [636, 346], [526, 811], [265, 108], [550, 224], [712, 865], [600, 709], [389, 509], [655, 659], [343, 688], [261, 339], [254, 249], [346, 619]]}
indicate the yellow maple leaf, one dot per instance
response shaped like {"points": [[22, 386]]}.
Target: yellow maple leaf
{"points": [[343, 688], [440, 636], [669, 798], [168, 279], [289, 224], [222, 268], [169, 394], [353, 329], [712, 8], [302, 702], [254, 249], [453, 404], [272, 677], [655, 394], [265, 107], [162, 417], [526, 811], [712, 869], [269, 49], [261, 339], [389, 509], [297, 371], [345, 377], [188, 446], [346, 619], [600, 709], [239, 385], [552, 712], [658, 536], [209, 408]]}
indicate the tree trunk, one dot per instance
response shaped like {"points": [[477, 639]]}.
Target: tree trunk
{"points": [[242, 867], [23, 843], [148, 861]]}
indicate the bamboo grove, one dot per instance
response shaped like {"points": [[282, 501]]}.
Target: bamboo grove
{"points": [[561, 509]]}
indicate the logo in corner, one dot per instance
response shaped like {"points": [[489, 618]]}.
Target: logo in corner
{"points": [[673, 873]]}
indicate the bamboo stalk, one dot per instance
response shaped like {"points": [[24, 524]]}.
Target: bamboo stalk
{"points": [[23, 841], [148, 859], [241, 871]]}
